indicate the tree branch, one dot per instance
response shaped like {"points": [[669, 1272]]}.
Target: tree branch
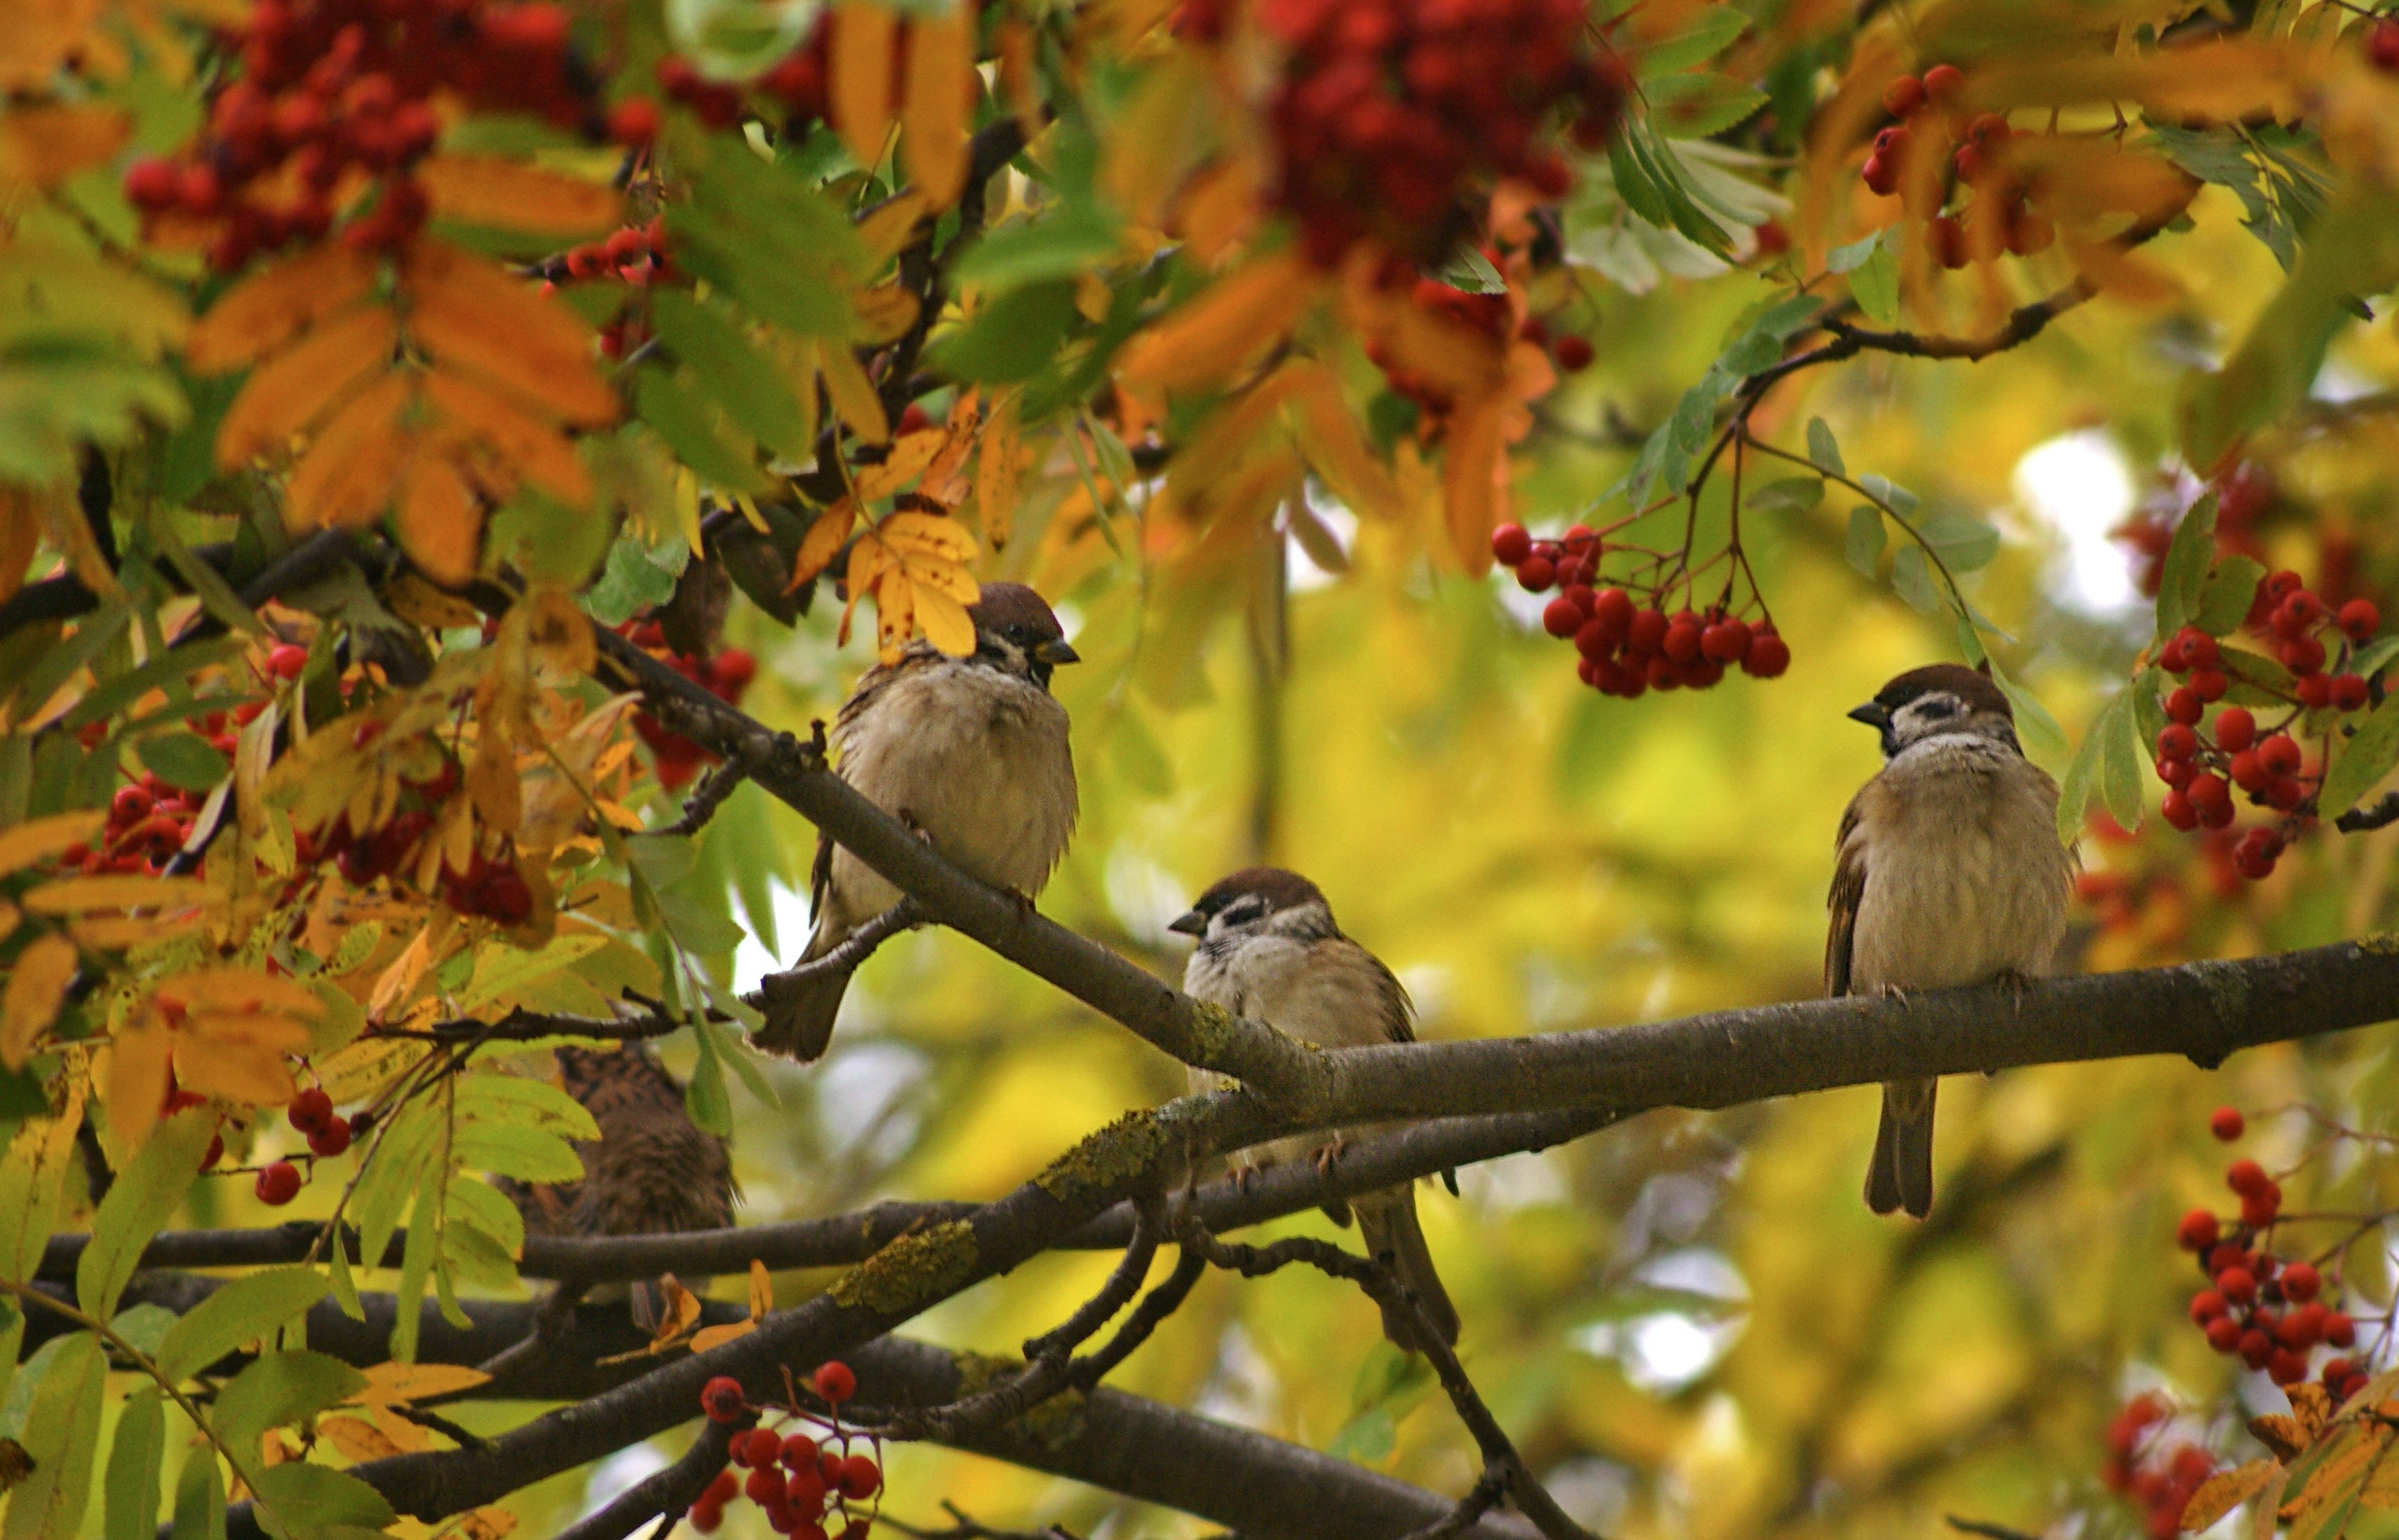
{"points": [[666, 1492]]}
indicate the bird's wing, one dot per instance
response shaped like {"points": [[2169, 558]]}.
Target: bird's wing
{"points": [[871, 685], [1399, 1012], [1849, 891]]}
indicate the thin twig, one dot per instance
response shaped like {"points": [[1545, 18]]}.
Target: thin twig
{"points": [[1159, 1303], [2380, 815], [667, 1492], [1480, 1499], [963, 1528], [858, 946], [706, 798], [1989, 1531]]}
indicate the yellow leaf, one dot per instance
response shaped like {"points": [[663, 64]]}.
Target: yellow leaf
{"points": [[895, 612], [136, 1082], [112, 933], [927, 534], [1473, 481], [681, 1311], [39, 839], [392, 1384], [492, 781], [2224, 1491], [882, 314], [717, 1336], [10, 917], [252, 1076], [350, 472], [1334, 444], [946, 623], [762, 1290], [911, 452], [859, 73], [296, 388], [2281, 1434], [822, 542], [892, 225], [537, 451], [472, 312], [998, 472], [939, 97], [1216, 335], [510, 195], [437, 520], [237, 989], [367, 1066], [268, 308], [76, 895], [44, 143], [357, 1438], [252, 1030], [487, 1524], [853, 395], [30, 1001]]}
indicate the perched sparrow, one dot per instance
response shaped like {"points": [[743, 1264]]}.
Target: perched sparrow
{"points": [[1268, 950], [1949, 871], [651, 1170], [970, 752]]}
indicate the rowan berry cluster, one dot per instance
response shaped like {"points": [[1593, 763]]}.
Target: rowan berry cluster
{"points": [[1391, 113], [2260, 1305], [148, 822], [636, 255], [2151, 1466], [1976, 207], [797, 80], [1628, 642], [333, 95], [2203, 762], [726, 675], [798, 1479]]}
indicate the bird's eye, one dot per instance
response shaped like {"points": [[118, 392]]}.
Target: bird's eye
{"points": [[1936, 707], [1242, 911]]}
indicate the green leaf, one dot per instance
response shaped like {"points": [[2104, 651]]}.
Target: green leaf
{"points": [[705, 1098], [184, 760], [2224, 602], [1792, 493], [1849, 258], [143, 1327], [2082, 774], [311, 1499], [1367, 1439], [2038, 729], [1077, 237], [1911, 578], [500, 969], [1964, 545], [2373, 657], [753, 391], [2184, 576], [1694, 106], [246, 1309], [416, 1258], [1013, 337], [136, 1456], [528, 1155], [1823, 449], [2120, 764], [138, 1206], [1710, 30], [1873, 283], [517, 1099], [279, 1389], [2368, 756], [1866, 540], [1469, 272], [61, 1435], [687, 421], [200, 1498]]}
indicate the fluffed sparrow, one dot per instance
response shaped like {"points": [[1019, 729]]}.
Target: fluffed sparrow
{"points": [[969, 751], [1949, 871], [1269, 950]]}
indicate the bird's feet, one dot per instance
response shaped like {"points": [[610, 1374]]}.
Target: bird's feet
{"points": [[2017, 981]]}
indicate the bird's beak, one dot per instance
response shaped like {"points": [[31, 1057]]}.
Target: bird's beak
{"points": [[1055, 651], [1190, 922], [1873, 713]]}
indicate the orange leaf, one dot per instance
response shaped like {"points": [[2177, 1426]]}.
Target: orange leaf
{"points": [[1215, 335], [137, 1077], [881, 314], [940, 96], [510, 195], [237, 989], [998, 472], [911, 452], [2224, 1491], [892, 225], [350, 472], [76, 895], [1336, 446], [1473, 481], [895, 611], [853, 394], [253, 1076], [393, 1383], [267, 309], [762, 1290], [473, 312], [822, 542], [294, 389], [860, 73], [492, 781], [39, 839], [1019, 76], [436, 520], [36, 986], [43, 145], [21, 531], [717, 1336], [540, 453], [357, 1438]]}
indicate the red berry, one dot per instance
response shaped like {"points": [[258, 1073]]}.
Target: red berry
{"points": [[2359, 619], [1681, 642], [331, 1139], [1725, 641], [2211, 800], [706, 1517], [1768, 656], [861, 1478], [1941, 83], [2226, 1124], [2258, 1209], [286, 661], [2256, 1348], [835, 1382], [2184, 706], [2235, 729], [722, 1400], [799, 1453], [2176, 741], [763, 1446], [2209, 685], [1880, 174], [723, 1490], [2198, 648], [2348, 693], [1536, 572], [2248, 770], [766, 1484], [2382, 47], [634, 122], [2177, 811], [1562, 617], [1945, 238], [2313, 690], [2245, 1177], [2337, 1370], [2286, 1367], [1902, 96], [2281, 755], [152, 184], [310, 1111], [2206, 1307], [2197, 1232], [1510, 544], [1573, 354], [130, 806], [2237, 1284], [2340, 1331], [279, 1185], [2224, 1333]]}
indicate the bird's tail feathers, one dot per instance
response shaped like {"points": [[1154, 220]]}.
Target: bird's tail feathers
{"points": [[1901, 1175], [800, 1010]]}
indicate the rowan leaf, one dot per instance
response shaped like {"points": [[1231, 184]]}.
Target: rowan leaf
{"points": [[998, 471], [273, 306], [438, 520], [2224, 1491], [139, 1204], [823, 541], [127, 890], [242, 1310], [291, 392], [532, 446], [471, 311], [508, 194], [39, 839], [940, 95], [347, 476], [1211, 337], [36, 986], [853, 395]]}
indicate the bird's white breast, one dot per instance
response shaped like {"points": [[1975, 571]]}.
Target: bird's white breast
{"points": [[976, 759], [1965, 876]]}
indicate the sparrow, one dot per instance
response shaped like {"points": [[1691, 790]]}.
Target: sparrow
{"points": [[651, 1171], [968, 751], [1947, 870], [1269, 950]]}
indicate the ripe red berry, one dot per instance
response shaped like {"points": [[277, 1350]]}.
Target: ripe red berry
{"points": [[2235, 729], [286, 661], [861, 1478], [2336, 1369], [1510, 544], [723, 1489], [2245, 1176], [2382, 47], [279, 1184], [705, 1517], [1768, 656], [2258, 1209], [1573, 354], [762, 1445], [2340, 1331], [1902, 96], [2248, 770], [799, 1453], [2313, 690], [2198, 1231], [2198, 648], [1562, 617], [722, 1400], [1681, 642], [2348, 693], [835, 1382], [2184, 706], [1945, 238], [1941, 83], [2237, 1284], [1725, 641], [152, 184], [310, 1111], [2177, 811], [2360, 619], [765, 1484], [2226, 1124], [2281, 753], [634, 122], [2176, 741], [2256, 1348], [2211, 800], [1536, 572], [1880, 174], [2206, 1307], [1611, 609], [2286, 1367], [2224, 1333], [2209, 685], [331, 1141]]}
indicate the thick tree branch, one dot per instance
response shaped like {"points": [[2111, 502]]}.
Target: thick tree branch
{"points": [[666, 1491]]}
